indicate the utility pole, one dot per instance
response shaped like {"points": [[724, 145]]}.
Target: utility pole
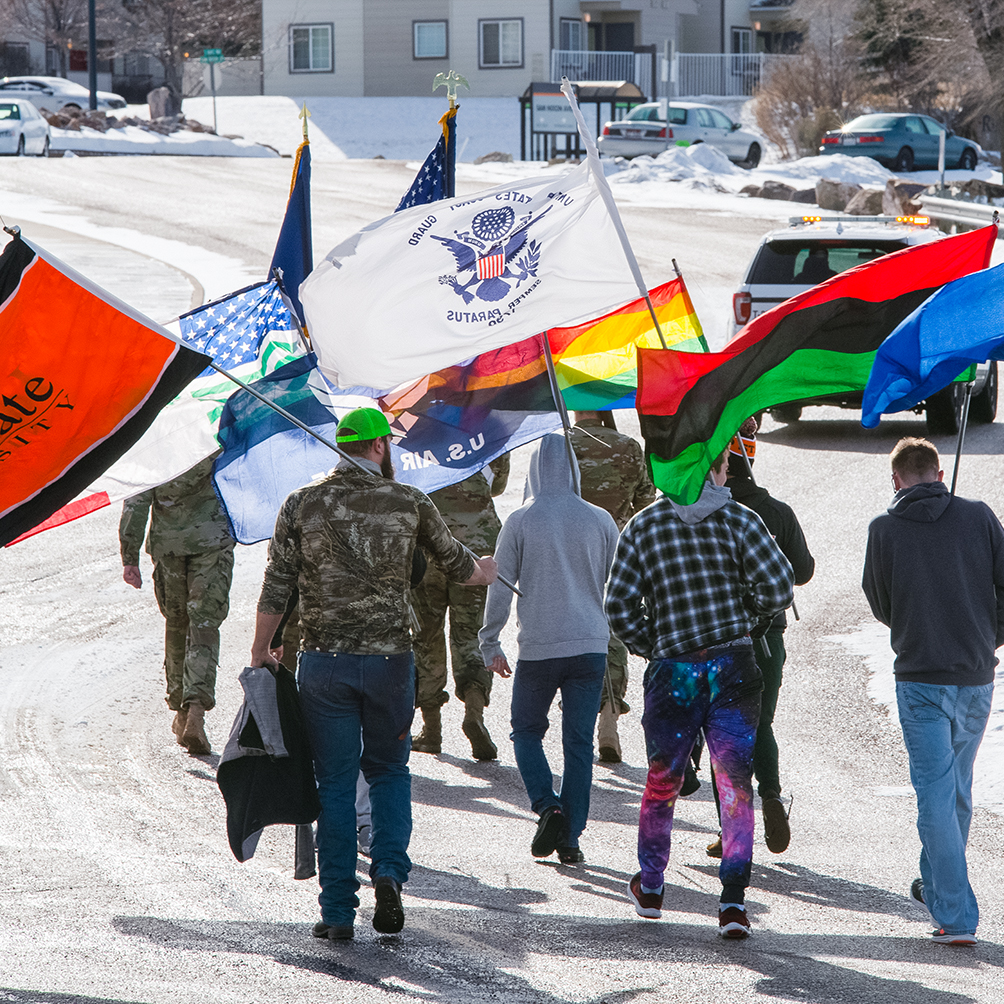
{"points": [[92, 55]]}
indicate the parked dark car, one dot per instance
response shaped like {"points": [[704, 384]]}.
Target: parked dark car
{"points": [[901, 141]]}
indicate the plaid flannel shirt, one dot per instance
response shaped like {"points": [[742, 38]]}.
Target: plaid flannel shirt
{"points": [[676, 587]]}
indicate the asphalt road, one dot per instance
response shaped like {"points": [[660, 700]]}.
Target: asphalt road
{"points": [[118, 884]]}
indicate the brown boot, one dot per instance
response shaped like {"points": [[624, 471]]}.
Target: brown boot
{"points": [[194, 736], [606, 736], [430, 739], [482, 747], [178, 725]]}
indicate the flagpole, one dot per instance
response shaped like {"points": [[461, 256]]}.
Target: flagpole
{"points": [[593, 158], [300, 329], [278, 408], [559, 404], [962, 434]]}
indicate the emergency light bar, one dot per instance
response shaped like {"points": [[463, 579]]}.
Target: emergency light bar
{"points": [[918, 221]]}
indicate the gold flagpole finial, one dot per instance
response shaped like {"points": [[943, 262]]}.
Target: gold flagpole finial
{"points": [[450, 81], [304, 115]]}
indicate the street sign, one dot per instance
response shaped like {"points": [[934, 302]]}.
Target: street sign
{"points": [[212, 56], [550, 111]]}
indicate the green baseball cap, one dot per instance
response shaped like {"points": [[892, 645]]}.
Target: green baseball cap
{"points": [[361, 425]]}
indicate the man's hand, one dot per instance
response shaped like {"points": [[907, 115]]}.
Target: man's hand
{"points": [[132, 575], [486, 571], [263, 657], [500, 665]]}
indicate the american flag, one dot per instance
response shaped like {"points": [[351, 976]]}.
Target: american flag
{"points": [[435, 179], [231, 330], [491, 266]]}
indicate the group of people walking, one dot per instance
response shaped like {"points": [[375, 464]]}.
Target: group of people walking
{"points": [[603, 568]]}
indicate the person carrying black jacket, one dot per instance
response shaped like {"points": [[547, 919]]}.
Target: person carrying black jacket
{"points": [[783, 525]]}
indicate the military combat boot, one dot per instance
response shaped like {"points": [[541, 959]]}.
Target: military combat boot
{"points": [[482, 747], [178, 725], [194, 736], [430, 739]]}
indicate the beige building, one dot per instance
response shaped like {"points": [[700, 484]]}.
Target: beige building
{"points": [[395, 47]]}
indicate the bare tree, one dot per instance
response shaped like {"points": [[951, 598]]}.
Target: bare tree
{"points": [[61, 24], [169, 30]]}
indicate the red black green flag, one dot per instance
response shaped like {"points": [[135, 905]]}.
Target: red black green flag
{"points": [[822, 341]]}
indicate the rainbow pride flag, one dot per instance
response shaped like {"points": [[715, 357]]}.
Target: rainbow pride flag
{"points": [[596, 361]]}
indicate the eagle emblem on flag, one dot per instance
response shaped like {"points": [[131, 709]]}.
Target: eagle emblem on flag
{"points": [[496, 251]]}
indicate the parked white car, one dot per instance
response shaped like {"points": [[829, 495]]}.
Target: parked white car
{"points": [[22, 129], [54, 93], [813, 249], [644, 131]]}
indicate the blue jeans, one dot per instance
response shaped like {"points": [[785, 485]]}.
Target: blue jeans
{"points": [[345, 697], [942, 729], [580, 680]]}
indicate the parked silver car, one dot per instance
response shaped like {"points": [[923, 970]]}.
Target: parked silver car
{"points": [[54, 93], [22, 128], [644, 131]]}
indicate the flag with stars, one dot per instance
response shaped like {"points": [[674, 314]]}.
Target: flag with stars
{"points": [[232, 329], [436, 178]]}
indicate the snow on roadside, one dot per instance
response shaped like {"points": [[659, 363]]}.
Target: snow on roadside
{"points": [[871, 641], [134, 140]]}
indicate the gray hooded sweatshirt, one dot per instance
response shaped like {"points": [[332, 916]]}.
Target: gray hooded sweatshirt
{"points": [[558, 549]]}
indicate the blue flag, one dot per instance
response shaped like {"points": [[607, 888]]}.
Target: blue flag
{"points": [[294, 250], [435, 180], [961, 324]]}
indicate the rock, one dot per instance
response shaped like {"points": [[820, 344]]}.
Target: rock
{"points": [[753, 191], [806, 195], [495, 157], [975, 190], [163, 102], [379, 156], [899, 197], [776, 190], [867, 202], [834, 195]]}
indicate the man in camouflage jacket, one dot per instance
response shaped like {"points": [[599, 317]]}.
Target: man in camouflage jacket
{"points": [[614, 477], [347, 543], [193, 564], [468, 511]]}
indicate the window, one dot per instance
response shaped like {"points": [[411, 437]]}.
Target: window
{"points": [[9, 112], [721, 120], [501, 43], [571, 35], [430, 39], [310, 48], [913, 124], [742, 40], [704, 119]]}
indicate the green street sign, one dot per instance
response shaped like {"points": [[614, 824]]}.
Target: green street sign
{"points": [[212, 56]]}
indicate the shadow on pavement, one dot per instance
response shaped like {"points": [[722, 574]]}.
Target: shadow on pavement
{"points": [[474, 952], [9, 995]]}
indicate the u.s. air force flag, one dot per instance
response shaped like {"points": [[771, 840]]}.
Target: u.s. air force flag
{"points": [[430, 286]]}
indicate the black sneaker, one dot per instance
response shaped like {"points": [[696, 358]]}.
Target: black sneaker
{"points": [[333, 932], [917, 891], [571, 855], [549, 830], [966, 940], [691, 782], [388, 918]]}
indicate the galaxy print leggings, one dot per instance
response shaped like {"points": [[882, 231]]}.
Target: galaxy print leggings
{"points": [[717, 689]]}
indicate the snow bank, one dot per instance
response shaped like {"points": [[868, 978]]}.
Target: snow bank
{"points": [[839, 167], [394, 128], [133, 139], [699, 166]]}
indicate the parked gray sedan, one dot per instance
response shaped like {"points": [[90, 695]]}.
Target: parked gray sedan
{"points": [[644, 131]]}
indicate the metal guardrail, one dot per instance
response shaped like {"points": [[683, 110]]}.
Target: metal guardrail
{"points": [[968, 214]]}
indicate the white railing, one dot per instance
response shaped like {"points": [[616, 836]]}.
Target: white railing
{"points": [[731, 75], [583, 65]]}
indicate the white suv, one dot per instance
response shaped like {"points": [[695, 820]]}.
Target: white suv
{"points": [[813, 249]]}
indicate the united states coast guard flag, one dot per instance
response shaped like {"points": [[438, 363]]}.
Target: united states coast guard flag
{"points": [[430, 286]]}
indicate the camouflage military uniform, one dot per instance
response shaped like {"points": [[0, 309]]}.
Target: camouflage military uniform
{"points": [[468, 511], [614, 477], [347, 542], [193, 557]]}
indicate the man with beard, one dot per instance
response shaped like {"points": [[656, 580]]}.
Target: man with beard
{"points": [[347, 543]]}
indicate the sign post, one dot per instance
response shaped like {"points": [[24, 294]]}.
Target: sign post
{"points": [[212, 57]]}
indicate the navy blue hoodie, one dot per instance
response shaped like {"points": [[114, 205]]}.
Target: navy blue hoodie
{"points": [[934, 573]]}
